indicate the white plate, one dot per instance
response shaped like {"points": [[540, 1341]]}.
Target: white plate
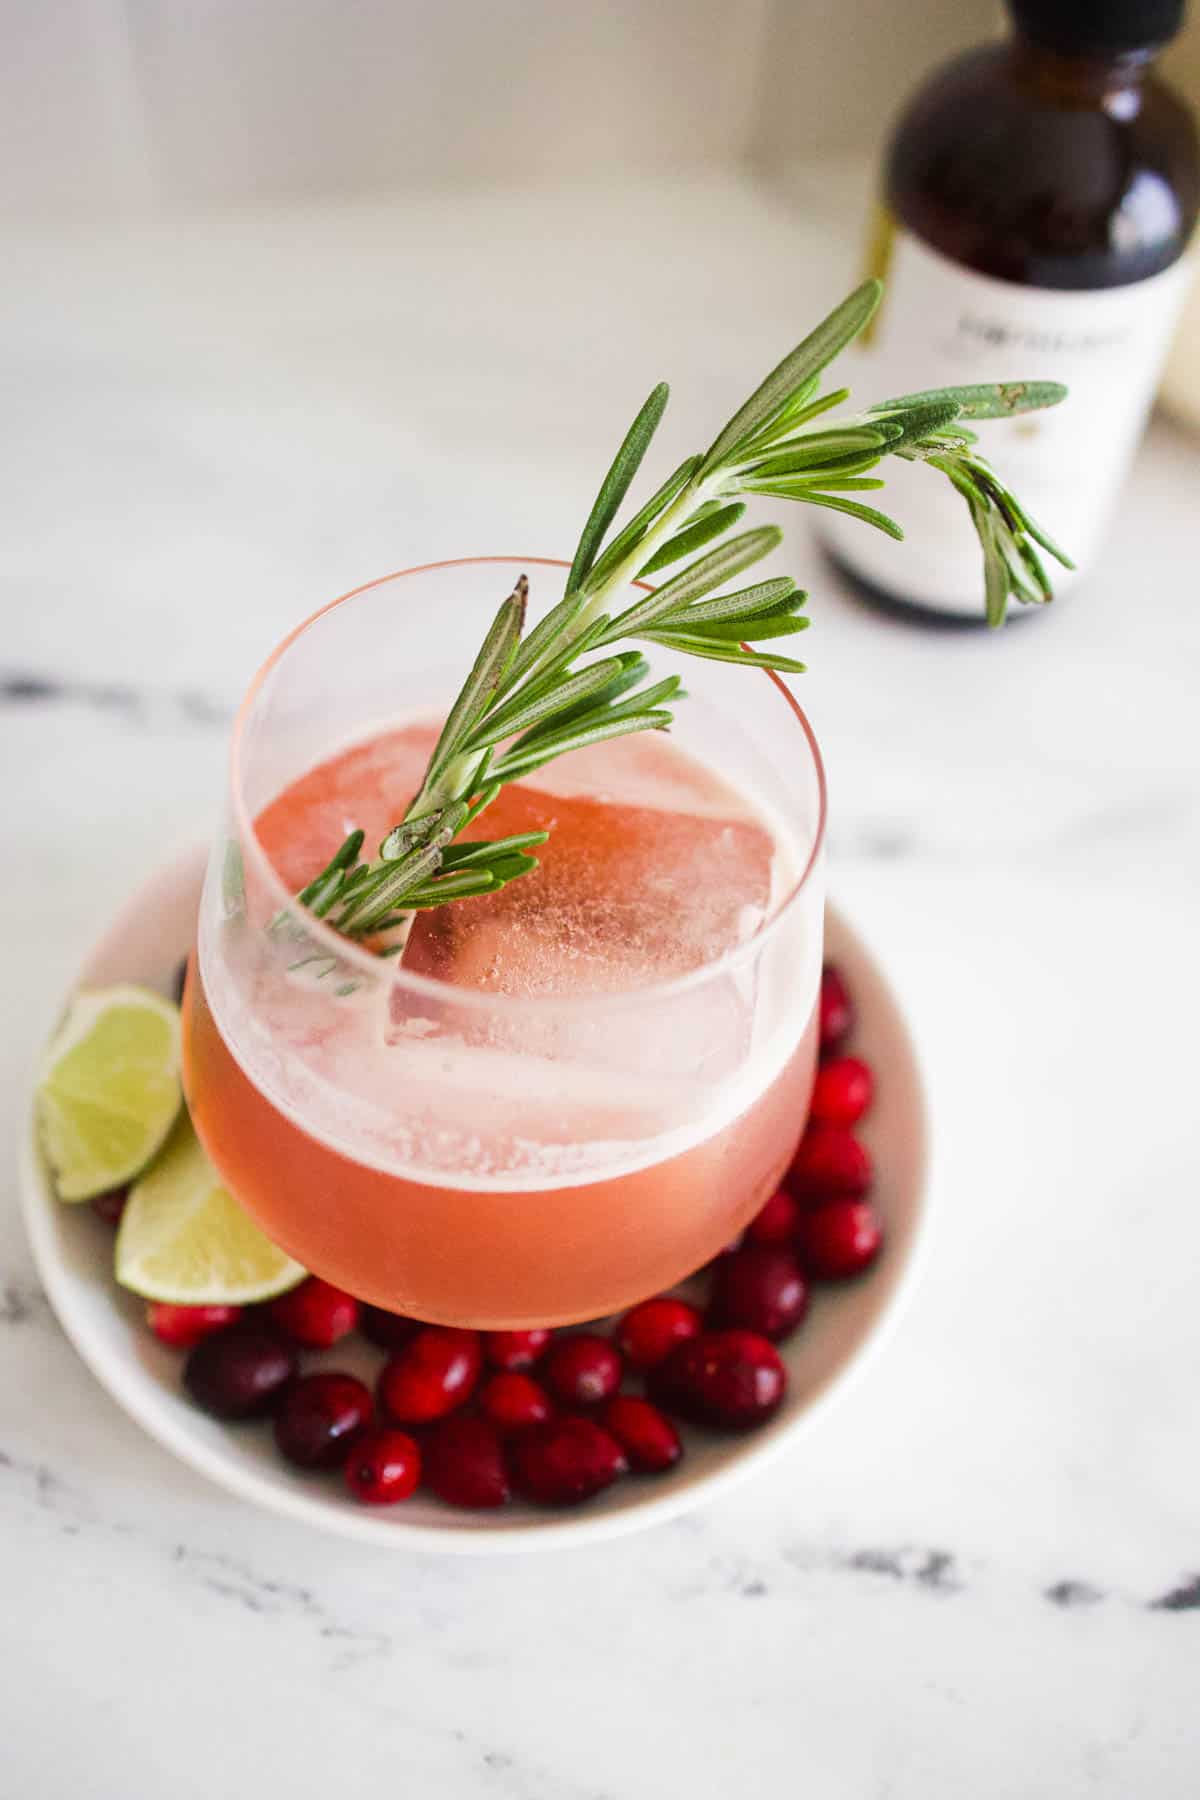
{"points": [[73, 1251]]}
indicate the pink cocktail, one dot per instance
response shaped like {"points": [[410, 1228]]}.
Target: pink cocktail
{"points": [[570, 1093]]}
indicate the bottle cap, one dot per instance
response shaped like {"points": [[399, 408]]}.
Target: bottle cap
{"points": [[1098, 25]]}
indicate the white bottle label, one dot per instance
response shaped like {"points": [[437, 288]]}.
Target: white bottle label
{"points": [[940, 325]]}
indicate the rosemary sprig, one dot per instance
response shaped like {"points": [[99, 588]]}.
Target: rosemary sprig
{"points": [[529, 699]]}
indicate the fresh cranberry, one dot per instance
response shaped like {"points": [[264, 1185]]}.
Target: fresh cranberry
{"points": [[830, 1164], [110, 1206], [383, 1467], [432, 1374], [760, 1289], [565, 1461], [835, 1009], [464, 1462], [582, 1370], [775, 1222], [387, 1329], [239, 1373], [647, 1436], [514, 1402], [839, 1240], [515, 1349], [731, 1380], [650, 1330], [184, 1326], [842, 1091], [315, 1314], [320, 1417]]}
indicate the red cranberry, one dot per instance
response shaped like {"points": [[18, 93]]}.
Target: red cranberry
{"points": [[464, 1462], [839, 1240], [515, 1349], [384, 1466], [110, 1206], [315, 1314], [319, 1419], [842, 1091], [582, 1370], [775, 1222], [431, 1375], [565, 1461], [514, 1402], [760, 1289], [835, 1008], [387, 1329], [650, 1330], [239, 1373], [647, 1436], [830, 1164], [731, 1380], [184, 1326]]}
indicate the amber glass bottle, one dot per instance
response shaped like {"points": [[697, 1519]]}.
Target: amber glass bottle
{"points": [[1039, 195]]}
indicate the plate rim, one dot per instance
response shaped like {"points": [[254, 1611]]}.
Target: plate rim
{"points": [[134, 1390]]}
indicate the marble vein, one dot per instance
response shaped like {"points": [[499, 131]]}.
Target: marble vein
{"points": [[73, 1512], [1070, 1594], [21, 1302], [510, 1773], [140, 705], [51, 1493], [934, 1571], [233, 1579], [923, 1569], [1180, 1599]]}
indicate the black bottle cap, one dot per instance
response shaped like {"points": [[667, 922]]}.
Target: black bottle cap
{"points": [[1096, 26]]}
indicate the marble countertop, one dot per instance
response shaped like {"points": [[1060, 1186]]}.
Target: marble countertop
{"points": [[981, 1574]]}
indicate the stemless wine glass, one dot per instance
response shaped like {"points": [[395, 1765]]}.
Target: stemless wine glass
{"points": [[472, 1157]]}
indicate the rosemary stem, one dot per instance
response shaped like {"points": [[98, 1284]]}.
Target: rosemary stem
{"points": [[456, 780], [694, 495]]}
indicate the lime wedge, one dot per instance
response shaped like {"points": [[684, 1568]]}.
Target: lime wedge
{"points": [[109, 1090], [184, 1238]]}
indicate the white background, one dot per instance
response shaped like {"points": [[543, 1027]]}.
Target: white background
{"points": [[978, 1576], [113, 108]]}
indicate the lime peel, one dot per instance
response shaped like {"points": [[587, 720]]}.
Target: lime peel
{"points": [[109, 1089], [183, 1238]]}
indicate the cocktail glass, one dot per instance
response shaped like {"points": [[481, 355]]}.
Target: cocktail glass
{"points": [[499, 1159]]}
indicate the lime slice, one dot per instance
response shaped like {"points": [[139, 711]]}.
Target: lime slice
{"points": [[184, 1238], [109, 1090]]}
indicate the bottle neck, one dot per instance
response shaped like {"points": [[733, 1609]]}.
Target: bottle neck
{"points": [[1112, 79]]}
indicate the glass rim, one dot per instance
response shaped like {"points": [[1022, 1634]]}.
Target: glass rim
{"points": [[376, 967]]}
